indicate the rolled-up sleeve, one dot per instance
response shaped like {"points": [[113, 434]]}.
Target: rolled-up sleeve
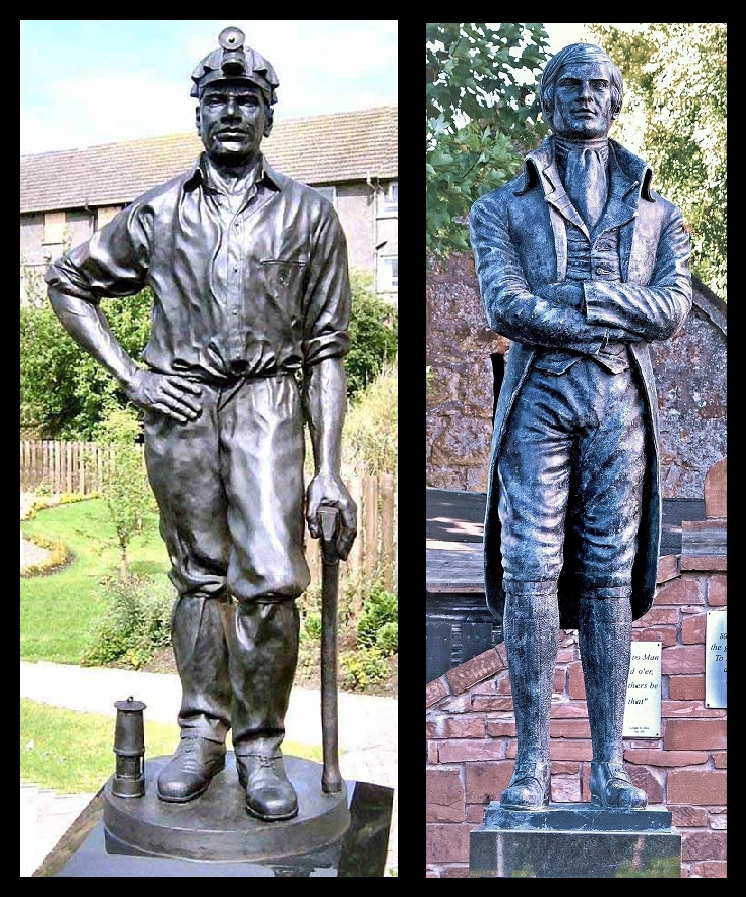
{"points": [[327, 300], [114, 262]]}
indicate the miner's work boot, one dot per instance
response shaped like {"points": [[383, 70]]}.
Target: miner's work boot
{"points": [[191, 769], [269, 793]]}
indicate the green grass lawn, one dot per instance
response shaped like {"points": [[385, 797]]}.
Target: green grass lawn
{"points": [[59, 610], [72, 752]]}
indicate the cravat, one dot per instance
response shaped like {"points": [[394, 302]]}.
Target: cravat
{"points": [[585, 182]]}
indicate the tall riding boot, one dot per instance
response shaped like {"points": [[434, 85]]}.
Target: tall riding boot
{"points": [[531, 622], [263, 644], [605, 645], [201, 653]]}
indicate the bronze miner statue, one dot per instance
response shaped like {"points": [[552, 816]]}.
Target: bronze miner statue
{"points": [[249, 273], [582, 265]]}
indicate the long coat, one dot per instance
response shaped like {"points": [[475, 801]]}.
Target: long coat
{"points": [[519, 239]]}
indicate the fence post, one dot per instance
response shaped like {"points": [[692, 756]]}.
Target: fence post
{"points": [[387, 529], [370, 515]]}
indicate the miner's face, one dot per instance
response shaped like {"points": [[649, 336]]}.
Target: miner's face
{"points": [[232, 121], [582, 101]]}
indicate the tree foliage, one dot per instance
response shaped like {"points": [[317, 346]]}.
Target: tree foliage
{"points": [[374, 337], [675, 80], [482, 116], [124, 483]]}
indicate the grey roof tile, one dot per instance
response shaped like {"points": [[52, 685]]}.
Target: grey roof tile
{"points": [[321, 149]]}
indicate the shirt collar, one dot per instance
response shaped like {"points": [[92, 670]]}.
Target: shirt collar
{"points": [[200, 173]]}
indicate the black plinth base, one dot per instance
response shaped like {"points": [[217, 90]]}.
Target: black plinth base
{"points": [[575, 841], [87, 850], [216, 827]]}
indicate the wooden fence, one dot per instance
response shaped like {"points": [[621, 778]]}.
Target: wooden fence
{"points": [[77, 467]]}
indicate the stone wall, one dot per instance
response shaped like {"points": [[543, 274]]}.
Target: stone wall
{"points": [[690, 374], [470, 729]]}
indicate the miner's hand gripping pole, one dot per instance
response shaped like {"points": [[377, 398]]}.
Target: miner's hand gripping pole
{"points": [[331, 780]]}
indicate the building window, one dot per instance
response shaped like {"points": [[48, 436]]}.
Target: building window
{"points": [[389, 274], [329, 192], [391, 198], [54, 228]]}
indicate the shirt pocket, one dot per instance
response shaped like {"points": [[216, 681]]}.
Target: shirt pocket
{"points": [[284, 277]]}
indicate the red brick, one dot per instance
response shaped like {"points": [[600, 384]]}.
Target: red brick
{"points": [[689, 817], [703, 846], [666, 635], [566, 789], [686, 688], [703, 563], [485, 782], [465, 750], [570, 749], [575, 681], [446, 843], [695, 734], [455, 872], [475, 814], [430, 729], [502, 657], [683, 659], [684, 590], [716, 490], [482, 704], [560, 768], [720, 759], [460, 704], [666, 757], [658, 616], [711, 870], [695, 787], [475, 670], [668, 567], [569, 728], [462, 727], [694, 630], [444, 796], [499, 728], [434, 691], [432, 752], [558, 684], [642, 777], [691, 710], [717, 591], [718, 821], [569, 710], [502, 684]]}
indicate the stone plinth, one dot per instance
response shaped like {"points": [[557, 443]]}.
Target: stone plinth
{"points": [[575, 841]]}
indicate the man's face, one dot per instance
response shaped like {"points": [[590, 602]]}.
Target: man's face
{"points": [[582, 101], [231, 121]]}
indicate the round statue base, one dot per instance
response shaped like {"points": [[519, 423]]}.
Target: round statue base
{"points": [[215, 827]]}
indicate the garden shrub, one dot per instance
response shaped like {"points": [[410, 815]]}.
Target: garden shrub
{"points": [[387, 638], [379, 607], [137, 620]]}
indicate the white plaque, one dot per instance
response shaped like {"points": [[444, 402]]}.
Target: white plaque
{"points": [[642, 708], [716, 659]]}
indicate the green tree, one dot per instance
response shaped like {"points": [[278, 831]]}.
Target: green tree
{"points": [[675, 81], [482, 116], [64, 390], [124, 485], [373, 333]]}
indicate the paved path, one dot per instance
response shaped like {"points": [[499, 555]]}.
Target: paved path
{"points": [[368, 738]]}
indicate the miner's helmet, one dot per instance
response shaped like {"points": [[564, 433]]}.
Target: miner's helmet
{"points": [[234, 61]]}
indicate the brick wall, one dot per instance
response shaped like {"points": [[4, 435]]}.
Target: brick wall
{"points": [[471, 740]]}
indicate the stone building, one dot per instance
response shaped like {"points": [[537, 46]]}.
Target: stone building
{"points": [[350, 157], [464, 359]]}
